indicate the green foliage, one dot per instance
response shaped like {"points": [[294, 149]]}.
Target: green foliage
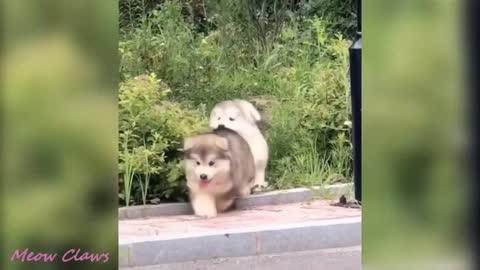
{"points": [[308, 126], [340, 15], [293, 61], [257, 18], [131, 11], [150, 136]]}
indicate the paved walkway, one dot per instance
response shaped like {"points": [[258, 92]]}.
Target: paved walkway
{"points": [[174, 227]]}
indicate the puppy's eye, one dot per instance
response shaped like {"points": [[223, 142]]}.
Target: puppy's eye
{"points": [[198, 163], [231, 119], [211, 163], [219, 118]]}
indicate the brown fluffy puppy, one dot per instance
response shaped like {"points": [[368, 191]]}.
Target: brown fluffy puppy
{"points": [[219, 168]]}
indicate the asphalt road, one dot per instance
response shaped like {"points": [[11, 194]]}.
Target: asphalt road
{"points": [[326, 259]]}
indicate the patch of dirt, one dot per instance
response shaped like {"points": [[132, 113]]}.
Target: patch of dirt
{"points": [[342, 202], [264, 106]]}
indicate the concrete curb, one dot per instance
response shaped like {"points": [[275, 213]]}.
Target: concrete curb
{"points": [[345, 258], [269, 198], [272, 239]]}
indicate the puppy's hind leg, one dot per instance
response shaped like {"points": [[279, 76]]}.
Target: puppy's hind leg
{"points": [[204, 205], [246, 190], [225, 204], [260, 183]]}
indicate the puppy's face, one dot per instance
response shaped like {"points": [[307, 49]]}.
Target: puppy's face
{"points": [[231, 117], [206, 156]]}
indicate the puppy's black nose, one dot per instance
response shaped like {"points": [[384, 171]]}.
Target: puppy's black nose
{"points": [[221, 126], [203, 176]]}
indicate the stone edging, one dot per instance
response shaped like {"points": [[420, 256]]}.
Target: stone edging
{"points": [[269, 198]]}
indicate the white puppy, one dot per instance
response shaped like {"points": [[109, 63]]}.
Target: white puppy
{"points": [[242, 117]]}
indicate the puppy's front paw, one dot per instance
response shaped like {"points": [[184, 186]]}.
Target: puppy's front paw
{"points": [[206, 215], [204, 206], [205, 211]]}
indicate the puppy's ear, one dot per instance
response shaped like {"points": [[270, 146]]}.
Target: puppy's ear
{"points": [[250, 110], [255, 114], [213, 113], [222, 143], [188, 144]]}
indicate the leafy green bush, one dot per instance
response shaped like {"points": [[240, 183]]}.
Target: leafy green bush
{"points": [[151, 132]]}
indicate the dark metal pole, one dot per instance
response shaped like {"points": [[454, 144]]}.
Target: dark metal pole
{"points": [[356, 95]]}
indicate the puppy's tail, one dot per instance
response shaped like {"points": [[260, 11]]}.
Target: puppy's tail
{"points": [[250, 109]]}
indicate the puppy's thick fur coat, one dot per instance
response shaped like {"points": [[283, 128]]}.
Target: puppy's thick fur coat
{"points": [[242, 117], [219, 168]]}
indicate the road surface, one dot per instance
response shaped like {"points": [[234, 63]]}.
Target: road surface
{"points": [[327, 259]]}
